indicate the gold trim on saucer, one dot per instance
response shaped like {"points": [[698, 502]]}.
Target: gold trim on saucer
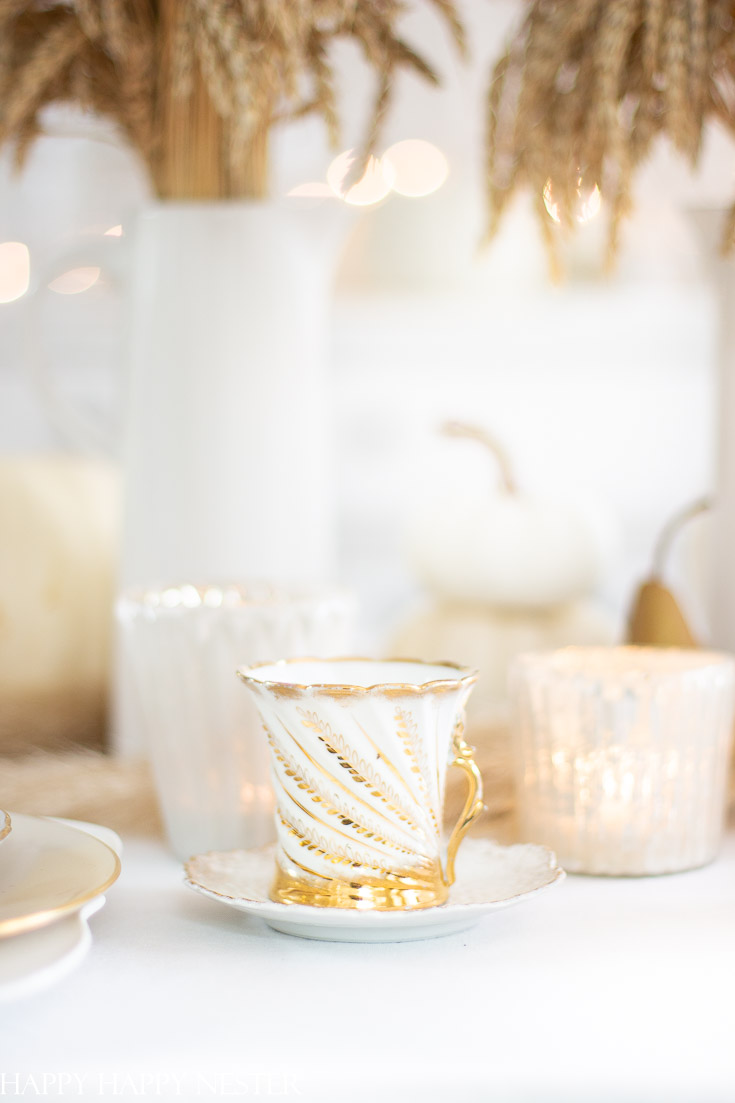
{"points": [[7, 825], [20, 924]]}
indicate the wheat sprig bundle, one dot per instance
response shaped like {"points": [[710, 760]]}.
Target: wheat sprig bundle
{"points": [[196, 86], [585, 88]]}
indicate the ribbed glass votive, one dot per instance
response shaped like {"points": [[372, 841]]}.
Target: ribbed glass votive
{"points": [[622, 755], [181, 647]]}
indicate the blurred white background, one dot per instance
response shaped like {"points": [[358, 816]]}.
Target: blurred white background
{"points": [[601, 389]]}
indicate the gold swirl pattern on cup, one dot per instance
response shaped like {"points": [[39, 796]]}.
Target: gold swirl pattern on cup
{"points": [[359, 773]]}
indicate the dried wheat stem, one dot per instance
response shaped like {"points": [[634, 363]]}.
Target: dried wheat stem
{"points": [[89, 16], [197, 85], [51, 56], [9, 9], [447, 9], [698, 65], [680, 122], [653, 19], [587, 86], [325, 99]]}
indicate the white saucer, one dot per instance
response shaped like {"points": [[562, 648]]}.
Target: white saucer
{"points": [[34, 959], [5, 825], [489, 877], [31, 962], [49, 869]]}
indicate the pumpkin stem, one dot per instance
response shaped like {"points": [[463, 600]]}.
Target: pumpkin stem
{"points": [[474, 432], [671, 530]]}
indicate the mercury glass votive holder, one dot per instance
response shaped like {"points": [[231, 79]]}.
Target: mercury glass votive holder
{"points": [[622, 755], [180, 648]]}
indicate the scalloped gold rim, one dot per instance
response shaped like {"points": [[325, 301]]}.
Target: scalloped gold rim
{"points": [[7, 826], [467, 677], [194, 878]]}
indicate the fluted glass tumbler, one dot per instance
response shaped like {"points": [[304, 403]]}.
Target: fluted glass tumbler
{"points": [[182, 646], [622, 755]]}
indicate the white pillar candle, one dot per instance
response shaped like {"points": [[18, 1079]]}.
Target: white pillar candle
{"points": [[622, 755]]}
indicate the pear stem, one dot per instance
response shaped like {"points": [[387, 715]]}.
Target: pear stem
{"points": [[671, 530], [473, 432]]}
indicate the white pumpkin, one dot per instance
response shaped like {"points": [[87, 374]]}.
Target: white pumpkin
{"points": [[502, 547], [58, 540], [512, 552], [506, 573]]}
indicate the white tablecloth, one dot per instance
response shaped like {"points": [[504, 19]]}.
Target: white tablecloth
{"points": [[598, 990]]}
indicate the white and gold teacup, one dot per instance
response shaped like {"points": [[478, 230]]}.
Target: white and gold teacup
{"points": [[359, 753]]}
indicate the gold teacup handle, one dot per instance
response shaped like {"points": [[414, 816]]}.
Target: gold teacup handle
{"points": [[472, 806]]}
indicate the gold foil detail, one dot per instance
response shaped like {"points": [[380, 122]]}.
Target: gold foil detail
{"points": [[350, 850], [318, 826], [364, 894], [353, 796], [358, 769], [473, 805], [344, 816], [310, 840], [406, 728]]}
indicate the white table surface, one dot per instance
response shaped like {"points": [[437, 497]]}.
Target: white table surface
{"points": [[597, 991]]}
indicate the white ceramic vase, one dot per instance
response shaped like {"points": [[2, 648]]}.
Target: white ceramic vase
{"points": [[227, 434], [226, 457]]}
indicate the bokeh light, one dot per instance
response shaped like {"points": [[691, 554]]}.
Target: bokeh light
{"points": [[552, 207], [15, 270], [419, 168], [375, 183], [75, 281], [588, 204], [312, 189]]}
